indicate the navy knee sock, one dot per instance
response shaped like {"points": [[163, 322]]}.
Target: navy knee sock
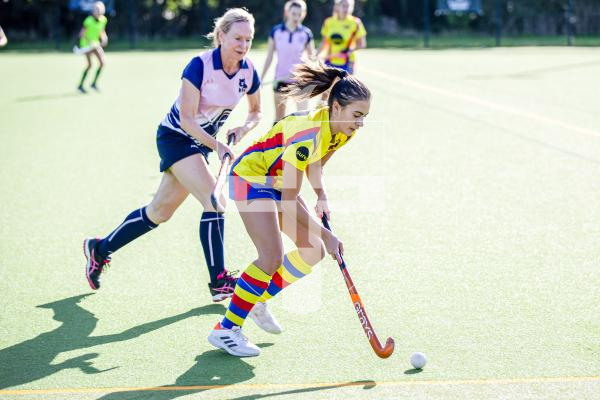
{"points": [[135, 225], [212, 229]]}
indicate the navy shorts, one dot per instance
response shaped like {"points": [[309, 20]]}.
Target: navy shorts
{"points": [[240, 189], [348, 67], [173, 146]]}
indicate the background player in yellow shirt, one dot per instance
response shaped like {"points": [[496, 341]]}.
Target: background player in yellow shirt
{"points": [[92, 38], [265, 183], [342, 34]]}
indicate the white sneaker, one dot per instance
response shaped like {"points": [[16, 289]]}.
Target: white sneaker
{"points": [[264, 319], [233, 341]]}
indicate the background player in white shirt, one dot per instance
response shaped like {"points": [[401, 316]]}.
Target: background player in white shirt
{"points": [[289, 40]]}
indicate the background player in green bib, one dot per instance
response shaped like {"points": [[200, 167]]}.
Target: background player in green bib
{"points": [[93, 37]]}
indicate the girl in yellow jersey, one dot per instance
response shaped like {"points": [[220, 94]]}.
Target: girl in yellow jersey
{"points": [[342, 34], [265, 184], [92, 38]]}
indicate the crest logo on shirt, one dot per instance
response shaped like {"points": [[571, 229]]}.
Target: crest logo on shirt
{"points": [[243, 86], [302, 153]]}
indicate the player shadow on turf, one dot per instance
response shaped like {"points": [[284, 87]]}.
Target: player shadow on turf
{"points": [[32, 359], [41, 97], [213, 370], [366, 385]]}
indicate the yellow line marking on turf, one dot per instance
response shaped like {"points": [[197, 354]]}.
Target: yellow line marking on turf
{"points": [[482, 102], [372, 384]]}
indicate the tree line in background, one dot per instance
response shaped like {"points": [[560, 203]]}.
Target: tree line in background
{"points": [[149, 19]]}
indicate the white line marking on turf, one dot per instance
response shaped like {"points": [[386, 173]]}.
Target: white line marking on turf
{"points": [[244, 386], [482, 102]]}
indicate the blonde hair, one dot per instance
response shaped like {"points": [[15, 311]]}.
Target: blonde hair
{"points": [[100, 7], [224, 22], [336, 3], [295, 3]]}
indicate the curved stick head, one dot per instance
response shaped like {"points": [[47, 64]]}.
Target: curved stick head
{"points": [[387, 350]]}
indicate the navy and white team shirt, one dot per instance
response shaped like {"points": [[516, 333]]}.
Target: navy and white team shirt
{"points": [[219, 92], [289, 46]]}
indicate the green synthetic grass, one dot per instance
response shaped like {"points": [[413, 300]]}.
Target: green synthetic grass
{"points": [[449, 41], [467, 206], [403, 41]]}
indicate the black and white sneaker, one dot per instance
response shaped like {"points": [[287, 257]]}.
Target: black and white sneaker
{"points": [[95, 263], [233, 341], [224, 286]]}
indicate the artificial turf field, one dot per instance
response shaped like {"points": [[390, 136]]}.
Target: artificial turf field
{"points": [[468, 206]]}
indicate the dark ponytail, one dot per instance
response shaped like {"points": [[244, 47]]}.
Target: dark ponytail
{"points": [[312, 79]]}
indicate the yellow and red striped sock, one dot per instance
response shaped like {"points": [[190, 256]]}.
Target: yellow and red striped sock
{"points": [[250, 287], [293, 269]]}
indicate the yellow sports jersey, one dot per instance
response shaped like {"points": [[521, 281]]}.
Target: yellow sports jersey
{"points": [[341, 34], [298, 139]]}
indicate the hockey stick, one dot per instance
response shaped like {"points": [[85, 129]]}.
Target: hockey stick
{"points": [[381, 351], [216, 193]]}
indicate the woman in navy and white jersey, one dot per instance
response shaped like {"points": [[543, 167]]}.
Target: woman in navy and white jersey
{"points": [[290, 40], [212, 84]]}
